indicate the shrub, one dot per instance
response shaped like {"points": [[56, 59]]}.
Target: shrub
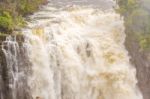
{"points": [[137, 22], [13, 11], [6, 22]]}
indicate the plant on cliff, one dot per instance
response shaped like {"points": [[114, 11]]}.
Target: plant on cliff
{"points": [[6, 21], [13, 11], [137, 21], [126, 6]]}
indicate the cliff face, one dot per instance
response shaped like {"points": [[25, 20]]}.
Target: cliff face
{"points": [[137, 21], [14, 68], [141, 60]]}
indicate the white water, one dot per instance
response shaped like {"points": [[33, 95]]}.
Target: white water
{"points": [[12, 65], [78, 52]]}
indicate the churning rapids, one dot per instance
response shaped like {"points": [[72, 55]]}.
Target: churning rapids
{"points": [[74, 52]]}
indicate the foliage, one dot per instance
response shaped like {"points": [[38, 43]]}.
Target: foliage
{"points": [[13, 11], [6, 21], [137, 21], [144, 42], [27, 7], [126, 6]]}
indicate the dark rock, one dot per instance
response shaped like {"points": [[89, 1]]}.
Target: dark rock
{"points": [[14, 69], [140, 59]]}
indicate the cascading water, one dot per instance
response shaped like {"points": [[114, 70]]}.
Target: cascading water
{"points": [[77, 52], [15, 69]]}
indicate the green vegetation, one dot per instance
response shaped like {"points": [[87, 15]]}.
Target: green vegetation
{"points": [[6, 21], [126, 6], [137, 21], [13, 11]]}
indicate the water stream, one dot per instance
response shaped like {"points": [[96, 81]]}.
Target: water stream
{"points": [[76, 51]]}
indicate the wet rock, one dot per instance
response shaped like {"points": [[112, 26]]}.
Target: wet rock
{"points": [[141, 61], [14, 68]]}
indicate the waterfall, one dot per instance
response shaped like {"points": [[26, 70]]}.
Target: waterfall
{"points": [[15, 69], [73, 52]]}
